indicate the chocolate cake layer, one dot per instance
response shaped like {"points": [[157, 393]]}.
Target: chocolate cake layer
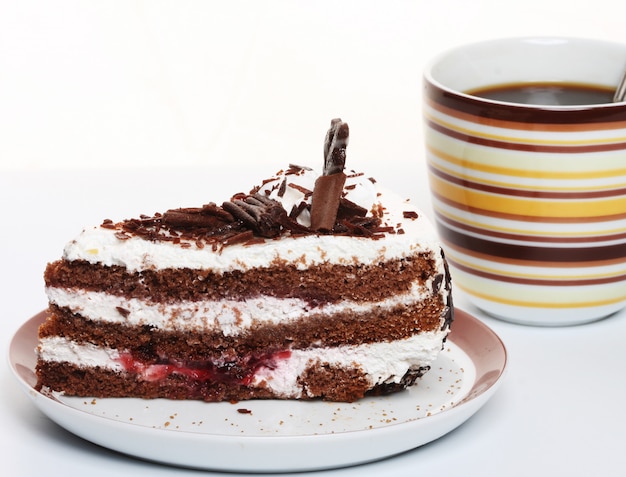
{"points": [[312, 330], [317, 284], [319, 381]]}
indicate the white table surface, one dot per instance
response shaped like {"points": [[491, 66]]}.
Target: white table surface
{"points": [[560, 410], [112, 109]]}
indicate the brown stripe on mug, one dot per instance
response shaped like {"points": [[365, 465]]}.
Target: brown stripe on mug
{"points": [[529, 263], [576, 255], [535, 194], [536, 281], [523, 126], [528, 147], [527, 218], [527, 237]]}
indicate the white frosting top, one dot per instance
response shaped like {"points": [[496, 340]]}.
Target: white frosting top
{"points": [[412, 233]]}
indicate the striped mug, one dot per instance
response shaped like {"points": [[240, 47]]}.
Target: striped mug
{"points": [[528, 176]]}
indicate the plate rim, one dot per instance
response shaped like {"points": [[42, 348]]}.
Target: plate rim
{"points": [[464, 326]]}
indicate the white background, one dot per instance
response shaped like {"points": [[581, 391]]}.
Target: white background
{"points": [[115, 108], [156, 83]]}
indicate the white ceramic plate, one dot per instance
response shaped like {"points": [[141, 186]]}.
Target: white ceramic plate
{"points": [[282, 436]]}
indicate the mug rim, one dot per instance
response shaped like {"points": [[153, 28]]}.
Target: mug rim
{"points": [[447, 96]]}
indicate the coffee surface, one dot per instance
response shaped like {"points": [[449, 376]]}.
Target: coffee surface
{"points": [[549, 93]]}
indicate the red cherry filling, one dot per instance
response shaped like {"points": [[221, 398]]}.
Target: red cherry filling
{"points": [[241, 371]]}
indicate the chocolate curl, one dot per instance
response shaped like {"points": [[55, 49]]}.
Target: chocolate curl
{"points": [[335, 147], [329, 187], [325, 201], [261, 214]]}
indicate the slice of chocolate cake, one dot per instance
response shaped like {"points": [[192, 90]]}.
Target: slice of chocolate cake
{"points": [[310, 286]]}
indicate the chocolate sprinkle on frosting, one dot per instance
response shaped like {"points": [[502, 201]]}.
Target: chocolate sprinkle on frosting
{"points": [[264, 216], [247, 218]]}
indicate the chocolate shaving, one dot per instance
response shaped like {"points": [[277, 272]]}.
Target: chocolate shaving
{"points": [[265, 216], [207, 216], [347, 209], [358, 226], [209, 224], [122, 311], [186, 219], [239, 238], [296, 169], [282, 188], [261, 214], [296, 210], [335, 147], [329, 187], [302, 189], [325, 201]]}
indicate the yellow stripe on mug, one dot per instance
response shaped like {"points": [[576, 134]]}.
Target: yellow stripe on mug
{"points": [[552, 167], [525, 206]]}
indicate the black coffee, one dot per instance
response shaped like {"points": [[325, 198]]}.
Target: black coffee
{"points": [[549, 94]]}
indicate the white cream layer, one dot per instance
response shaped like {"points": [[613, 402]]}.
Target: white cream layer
{"points": [[382, 363], [228, 316], [100, 245]]}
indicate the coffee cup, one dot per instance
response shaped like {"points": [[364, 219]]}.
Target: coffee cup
{"points": [[526, 156]]}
